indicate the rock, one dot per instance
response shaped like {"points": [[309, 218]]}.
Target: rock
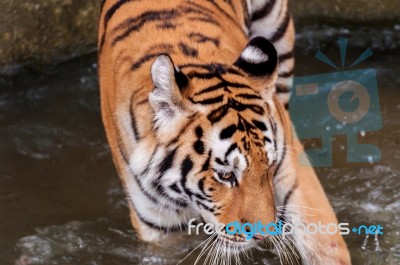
{"points": [[43, 32], [348, 10]]}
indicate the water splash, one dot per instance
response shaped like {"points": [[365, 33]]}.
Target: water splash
{"points": [[98, 242]]}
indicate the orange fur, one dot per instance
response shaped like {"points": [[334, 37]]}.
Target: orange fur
{"points": [[177, 130]]}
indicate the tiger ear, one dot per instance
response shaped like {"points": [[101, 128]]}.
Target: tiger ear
{"points": [[259, 60], [170, 107]]}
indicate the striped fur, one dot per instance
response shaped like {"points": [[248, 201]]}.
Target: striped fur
{"points": [[192, 99]]}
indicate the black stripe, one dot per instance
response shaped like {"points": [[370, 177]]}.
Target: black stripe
{"points": [[286, 74], [144, 101], [208, 101], [282, 217], [216, 68], [207, 15], [201, 38], [186, 167], [157, 184], [221, 85], [207, 11], [167, 161], [144, 191], [233, 71], [281, 30], [263, 11], [278, 167], [205, 20], [212, 67], [204, 206], [260, 125], [266, 139], [187, 50], [120, 146], [248, 96], [219, 161], [166, 25], [230, 149], [286, 106], [238, 106], [217, 114], [163, 194], [191, 119], [147, 168], [285, 56], [246, 143], [206, 164], [200, 186], [121, 149], [201, 197], [102, 4], [275, 134], [175, 188], [165, 229], [198, 75], [199, 132], [184, 128], [133, 120], [164, 15], [181, 80], [246, 14], [145, 59], [280, 88], [229, 2], [110, 12], [233, 20], [228, 132], [125, 158], [136, 23], [161, 46], [113, 9], [198, 146], [176, 203]]}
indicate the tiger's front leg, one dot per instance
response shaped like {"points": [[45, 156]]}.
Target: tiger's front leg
{"points": [[305, 203]]}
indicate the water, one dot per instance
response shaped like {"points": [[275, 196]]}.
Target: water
{"points": [[62, 202]]}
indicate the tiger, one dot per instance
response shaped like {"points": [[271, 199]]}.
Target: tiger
{"points": [[194, 100]]}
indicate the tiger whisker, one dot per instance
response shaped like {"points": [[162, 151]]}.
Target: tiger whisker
{"points": [[203, 242], [205, 247]]}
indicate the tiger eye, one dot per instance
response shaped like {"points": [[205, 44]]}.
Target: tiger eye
{"points": [[230, 176]]}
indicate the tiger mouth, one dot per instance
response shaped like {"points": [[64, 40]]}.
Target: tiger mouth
{"points": [[232, 239], [228, 241]]}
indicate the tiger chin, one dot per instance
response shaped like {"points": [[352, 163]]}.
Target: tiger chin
{"points": [[193, 97]]}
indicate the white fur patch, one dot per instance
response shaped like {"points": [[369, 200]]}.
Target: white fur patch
{"points": [[165, 99], [161, 72], [254, 55]]}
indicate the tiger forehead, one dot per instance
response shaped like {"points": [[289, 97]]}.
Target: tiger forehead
{"points": [[204, 83], [222, 90], [235, 134]]}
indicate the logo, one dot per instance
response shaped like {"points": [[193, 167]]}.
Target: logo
{"points": [[248, 230], [337, 103]]}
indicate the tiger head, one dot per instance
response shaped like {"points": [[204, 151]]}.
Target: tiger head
{"points": [[229, 129]]}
